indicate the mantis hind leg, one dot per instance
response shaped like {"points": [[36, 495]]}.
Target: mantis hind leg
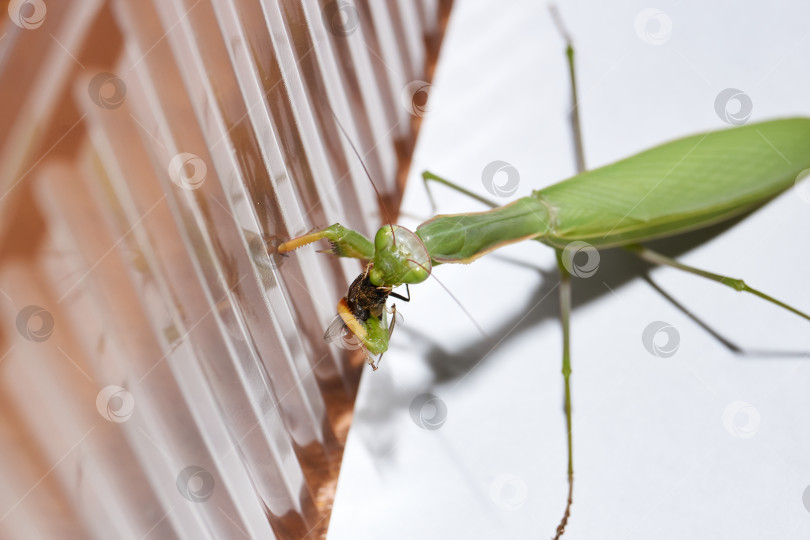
{"points": [[736, 284], [565, 312]]}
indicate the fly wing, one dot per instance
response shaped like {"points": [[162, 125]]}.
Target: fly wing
{"points": [[396, 318], [339, 334]]}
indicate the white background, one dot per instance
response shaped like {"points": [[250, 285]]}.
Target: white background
{"points": [[653, 456]]}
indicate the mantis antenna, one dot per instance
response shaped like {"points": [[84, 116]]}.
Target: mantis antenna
{"points": [[362, 163]]}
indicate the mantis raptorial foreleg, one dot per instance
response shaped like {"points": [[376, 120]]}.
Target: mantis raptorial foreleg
{"points": [[345, 242]]}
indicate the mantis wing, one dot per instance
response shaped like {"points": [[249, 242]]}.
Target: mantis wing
{"points": [[678, 186]]}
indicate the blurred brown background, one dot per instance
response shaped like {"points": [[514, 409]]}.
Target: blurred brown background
{"points": [[162, 367]]}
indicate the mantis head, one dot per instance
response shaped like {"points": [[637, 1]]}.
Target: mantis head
{"points": [[399, 257]]}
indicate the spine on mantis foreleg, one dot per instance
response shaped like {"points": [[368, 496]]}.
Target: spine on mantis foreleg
{"points": [[462, 238]]}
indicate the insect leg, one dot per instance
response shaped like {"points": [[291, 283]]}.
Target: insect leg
{"points": [[565, 312], [400, 297], [736, 284], [345, 242], [576, 129], [427, 175]]}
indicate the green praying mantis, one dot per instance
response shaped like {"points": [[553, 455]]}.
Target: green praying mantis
{"points": [[680, 186], [683, 185]]}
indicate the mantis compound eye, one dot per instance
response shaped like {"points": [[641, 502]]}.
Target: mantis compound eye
{"points": [[399, 257]]}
